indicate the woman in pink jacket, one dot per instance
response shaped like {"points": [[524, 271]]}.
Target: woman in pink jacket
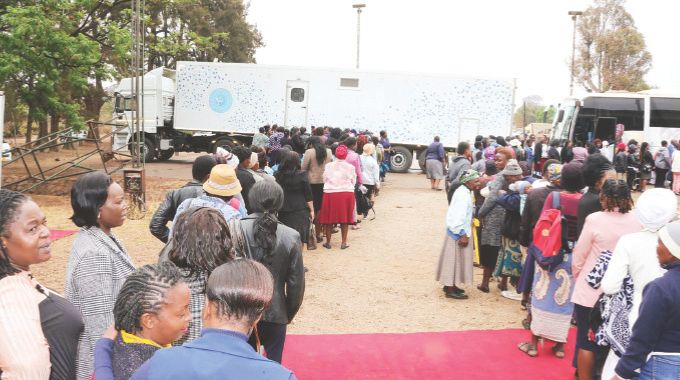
{"points": [[601, 232]]}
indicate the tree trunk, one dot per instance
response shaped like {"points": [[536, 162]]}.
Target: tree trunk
{"points": [[54, 127], [29, 125], [42, 131]]}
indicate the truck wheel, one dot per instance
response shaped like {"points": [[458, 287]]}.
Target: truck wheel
{"points": [[148, 150], [165, 155], [422, 155], [224, 141], [401, 159]]}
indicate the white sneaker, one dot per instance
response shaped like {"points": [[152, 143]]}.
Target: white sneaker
{"points": [[511, 295]]}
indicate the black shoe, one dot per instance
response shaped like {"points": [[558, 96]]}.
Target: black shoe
{"points": [[457, 295]]}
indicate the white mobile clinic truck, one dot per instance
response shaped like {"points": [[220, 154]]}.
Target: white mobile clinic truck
{"points": [[201, 106]]}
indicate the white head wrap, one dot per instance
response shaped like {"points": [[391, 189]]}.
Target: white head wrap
{"points": [[670, 236], [655, 208], [231, 158]]}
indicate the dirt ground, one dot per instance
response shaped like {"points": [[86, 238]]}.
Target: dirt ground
{"points": [[383, 283]]}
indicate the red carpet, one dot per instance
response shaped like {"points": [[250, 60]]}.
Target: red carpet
{"points": [[58, 234], [459, 355]]}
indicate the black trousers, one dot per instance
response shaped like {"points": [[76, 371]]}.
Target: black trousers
{"points": [[272, 337], [660, 177]]}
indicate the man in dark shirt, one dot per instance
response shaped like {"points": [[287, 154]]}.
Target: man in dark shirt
{"points": [[656, 333], [166, 211], [596, 170], [244, 176]]}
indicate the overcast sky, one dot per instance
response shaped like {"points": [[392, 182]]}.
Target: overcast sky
{"points": [[525, 39]]}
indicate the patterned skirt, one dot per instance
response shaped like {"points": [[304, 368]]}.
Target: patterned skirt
{"points": [[509, 261], [551, 308]]}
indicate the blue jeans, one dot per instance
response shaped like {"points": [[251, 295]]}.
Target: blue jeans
{"points": [[661, 368]]}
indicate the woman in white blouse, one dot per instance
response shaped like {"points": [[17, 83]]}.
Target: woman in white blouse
{"points": [[635, 254], [370, 170], [39, 329]]}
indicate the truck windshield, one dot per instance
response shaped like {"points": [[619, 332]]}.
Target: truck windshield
{"points": [[123, 104]]}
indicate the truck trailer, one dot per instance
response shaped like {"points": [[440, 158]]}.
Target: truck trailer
{"points": [[205, 105]]}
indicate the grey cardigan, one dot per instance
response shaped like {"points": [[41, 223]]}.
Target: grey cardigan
{"points": [[492, 215], [97, 267]]}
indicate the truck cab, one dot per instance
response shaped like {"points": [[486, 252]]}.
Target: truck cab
{"points": [[156, 112]]}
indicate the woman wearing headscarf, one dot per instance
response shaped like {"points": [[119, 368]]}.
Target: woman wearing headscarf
{"points": [[601, 232], [338, 196], [455, 261], [492, 216], [654, 349], [509, 263], [635, 255], [551, 309]]}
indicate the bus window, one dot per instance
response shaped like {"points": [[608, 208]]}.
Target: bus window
{"points": [[665, 112], [627, 111]]}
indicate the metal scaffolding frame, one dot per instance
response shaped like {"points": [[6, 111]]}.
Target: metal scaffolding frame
{"points": [[28, 152]]}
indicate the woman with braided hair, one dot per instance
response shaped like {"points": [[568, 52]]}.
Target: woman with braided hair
{"points": [[601, 232], [151, 311], [39, 329], [278, 247]]}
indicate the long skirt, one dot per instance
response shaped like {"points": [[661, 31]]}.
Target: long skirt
{"points": [[455, 263], [297, 220], [551, 308], [434, 169], [509, 259], [338, 208]]}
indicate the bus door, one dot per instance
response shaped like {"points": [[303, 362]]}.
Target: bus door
{"points": [[605, 129]]}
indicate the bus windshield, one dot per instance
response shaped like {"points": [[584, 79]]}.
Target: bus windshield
{"points": [[563, 121]]}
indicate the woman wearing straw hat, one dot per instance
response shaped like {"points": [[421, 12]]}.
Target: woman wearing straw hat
{"points": [[338, 202], [220, 190], [455, 261]]}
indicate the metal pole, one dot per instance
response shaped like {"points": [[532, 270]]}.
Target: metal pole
{"points": [[358, 33], [573, 56]]}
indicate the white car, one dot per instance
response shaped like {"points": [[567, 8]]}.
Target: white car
{"points": [[6, 152]]}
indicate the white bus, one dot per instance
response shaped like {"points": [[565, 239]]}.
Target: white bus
{"points": [[650, 116]]}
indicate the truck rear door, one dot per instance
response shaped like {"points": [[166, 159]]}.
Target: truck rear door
{"points": [[297, 95]]}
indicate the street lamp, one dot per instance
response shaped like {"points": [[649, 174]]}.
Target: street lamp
{"points": [[574, 15], [358, 7]]}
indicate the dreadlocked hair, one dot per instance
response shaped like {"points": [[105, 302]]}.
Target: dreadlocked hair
{"points": [[266, 197], [615, 195], [10, 201], [143, 292]]}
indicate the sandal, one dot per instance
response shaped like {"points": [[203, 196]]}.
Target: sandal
{"points": [[528, 348], [559, 352], [484, 289], [344, 246], [327, 245], [526, 323], [319, 239], [501, 287]]}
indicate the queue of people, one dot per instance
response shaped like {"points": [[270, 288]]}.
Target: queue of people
{"points": [[559, 230], [229, 279]]}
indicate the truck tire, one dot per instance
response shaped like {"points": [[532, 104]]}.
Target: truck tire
{"points": [[422, 155], [223, 141], [401, 159], [149, 150], [165, 155]]}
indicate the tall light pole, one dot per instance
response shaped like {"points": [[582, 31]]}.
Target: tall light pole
{"points": [[358, 7], [574, 15]]}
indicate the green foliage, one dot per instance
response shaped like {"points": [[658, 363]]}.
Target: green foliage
{"points": [[55, 55], [612, 54], [534, 112]]}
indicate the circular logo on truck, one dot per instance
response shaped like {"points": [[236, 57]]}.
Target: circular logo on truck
{"points": [[220, 100]]}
